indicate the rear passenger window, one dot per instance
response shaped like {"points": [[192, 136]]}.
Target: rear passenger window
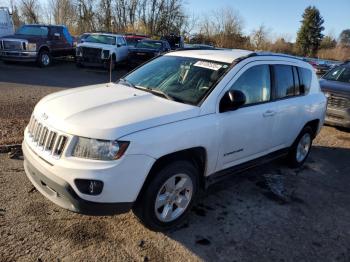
{"points": [[255, 84], [305, 77], [284, 81]]}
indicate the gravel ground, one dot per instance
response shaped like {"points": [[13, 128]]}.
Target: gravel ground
{"points": [[270, 213], [23, 85]]}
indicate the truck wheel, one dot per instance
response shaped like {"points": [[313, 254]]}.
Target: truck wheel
{"points": [[168, 197], [44, 58], [301, 147]]}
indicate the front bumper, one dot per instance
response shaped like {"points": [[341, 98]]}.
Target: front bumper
{"points": [[98, 62], [338, 117], [19, 56], [57, 183]]}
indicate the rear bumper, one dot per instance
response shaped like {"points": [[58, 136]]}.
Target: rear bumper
{"points": [[338, 117], [19, 56]]}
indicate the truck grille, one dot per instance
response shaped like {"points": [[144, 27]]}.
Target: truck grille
{"points": [[92, 55], [12, 45], [338, 102], [46, 139]]}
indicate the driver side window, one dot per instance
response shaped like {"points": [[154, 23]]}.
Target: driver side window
{"points": [[255, 83]]}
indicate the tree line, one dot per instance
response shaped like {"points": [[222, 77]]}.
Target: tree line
{"points": [[221, 28]]}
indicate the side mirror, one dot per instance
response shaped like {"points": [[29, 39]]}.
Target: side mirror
{"points": [[119, 45], [232, 100], [57, 35]]}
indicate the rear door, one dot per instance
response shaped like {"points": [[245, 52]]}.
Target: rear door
{"points": [[246, 132], [289, 100]]}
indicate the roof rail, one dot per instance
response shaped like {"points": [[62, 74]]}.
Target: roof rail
{"points": [[266, 53]]}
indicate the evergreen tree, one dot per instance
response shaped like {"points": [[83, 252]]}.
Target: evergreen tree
{"points": [[310, 33]]}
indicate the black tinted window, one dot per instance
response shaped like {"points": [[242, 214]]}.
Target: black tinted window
{"points": [[255, 84], [305, 76], [284, 81]]}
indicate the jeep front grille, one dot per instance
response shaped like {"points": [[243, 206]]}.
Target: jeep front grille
{"points": [[338, 102], [46, 139]]}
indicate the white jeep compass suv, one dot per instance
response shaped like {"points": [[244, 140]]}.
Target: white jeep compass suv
{"points": [[170, 128]]}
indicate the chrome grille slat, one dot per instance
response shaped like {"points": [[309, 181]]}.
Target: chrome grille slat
{"points": [[45, 139]]}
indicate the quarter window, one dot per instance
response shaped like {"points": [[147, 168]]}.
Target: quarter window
{"points": [[305, 77], [284, 81], [255, 84]]}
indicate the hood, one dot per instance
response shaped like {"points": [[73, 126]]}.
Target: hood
{"points": [[144, 50], [22, 37], [96, 45], [335, 87], [109, 111]]}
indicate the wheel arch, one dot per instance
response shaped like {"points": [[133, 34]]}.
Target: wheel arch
{"points": [[314, 124], [196, 155], [44, 48]]}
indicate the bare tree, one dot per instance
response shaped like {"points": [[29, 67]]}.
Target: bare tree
{"points": [[259, 38], [30, 11], [63, 12]]}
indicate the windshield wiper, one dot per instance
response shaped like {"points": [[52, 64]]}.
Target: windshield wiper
{"points": [[155, 92], [147, 89]]}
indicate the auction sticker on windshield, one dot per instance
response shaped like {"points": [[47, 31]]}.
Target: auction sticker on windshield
{"points": [[208, 65]]}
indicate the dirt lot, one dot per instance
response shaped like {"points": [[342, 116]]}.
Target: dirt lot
{"points": [[270, 213]]}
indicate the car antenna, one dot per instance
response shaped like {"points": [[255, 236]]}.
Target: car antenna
{"points": [[110, 68]]}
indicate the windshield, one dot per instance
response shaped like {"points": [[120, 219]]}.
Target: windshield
{"points": [[340, 73], [101, 39], [149, 44], [184, 79], [33, 30]]}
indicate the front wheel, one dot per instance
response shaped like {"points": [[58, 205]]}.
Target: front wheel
{"points": [[301, 148], [168, 197], [44, 58]]}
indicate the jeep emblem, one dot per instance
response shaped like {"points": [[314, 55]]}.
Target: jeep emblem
{"points": [[44, 116]]}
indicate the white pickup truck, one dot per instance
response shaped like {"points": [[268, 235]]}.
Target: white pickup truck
{"points": [[169, 129], [6, 23]]}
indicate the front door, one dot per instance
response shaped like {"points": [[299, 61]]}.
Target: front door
{"points": [[246, 132]]}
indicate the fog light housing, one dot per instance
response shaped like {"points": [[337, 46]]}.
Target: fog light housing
{"points": [[89, 187]]}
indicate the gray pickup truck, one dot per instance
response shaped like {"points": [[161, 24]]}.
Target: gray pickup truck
{"points": [[37, 43]]}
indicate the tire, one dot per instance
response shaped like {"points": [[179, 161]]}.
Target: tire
{"points": [[157, 218], [301, 148], [44, 58]]}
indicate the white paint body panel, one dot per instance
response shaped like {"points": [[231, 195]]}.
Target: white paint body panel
{"points": [[156, 127], [6, 23], [121, 53]]}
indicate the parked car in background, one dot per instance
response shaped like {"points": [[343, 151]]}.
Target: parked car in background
{"points": [[197, 47], [322, 67], [37, 43], [146, 50], [336, 85], [175, 41], [6, 23], [82, 37], [169, 129], [100, 49], [133, 39]]}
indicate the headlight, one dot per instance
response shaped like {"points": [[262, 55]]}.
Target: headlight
{"points": [[99, 149], [78, 51], [105, 54], [31, 47]]}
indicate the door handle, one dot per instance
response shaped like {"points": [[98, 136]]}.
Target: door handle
{"points": [[269, 113]]}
